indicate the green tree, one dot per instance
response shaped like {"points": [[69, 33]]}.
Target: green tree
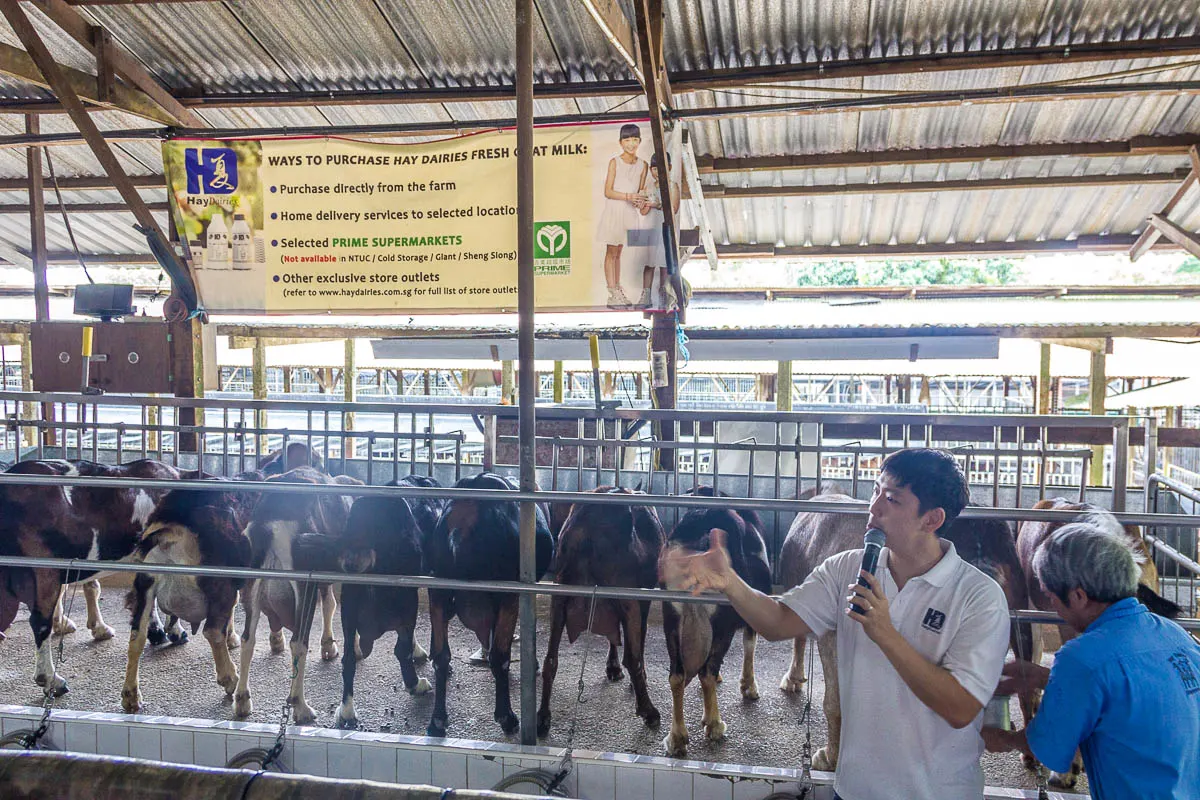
{"points": [[1191, 266], [920, 272]]}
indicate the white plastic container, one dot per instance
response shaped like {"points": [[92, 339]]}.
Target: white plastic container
{"points": [[196, 248], [216, 243], [242, 240]]}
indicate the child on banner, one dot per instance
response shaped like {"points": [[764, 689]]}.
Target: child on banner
{"points": [[624, 196]]}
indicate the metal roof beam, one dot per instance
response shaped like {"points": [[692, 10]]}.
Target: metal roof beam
{"points": [[121, 61], [910, 187], [944, 62], [1139, 145], [84, 182], [81, 208], [16, 62], [1101, 244], [1150, 235]]}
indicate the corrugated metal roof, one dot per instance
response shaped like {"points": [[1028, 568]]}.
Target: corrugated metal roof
{"points": [[270, 46]]}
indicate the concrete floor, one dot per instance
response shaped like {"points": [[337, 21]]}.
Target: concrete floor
{"points": [[179, 681]]}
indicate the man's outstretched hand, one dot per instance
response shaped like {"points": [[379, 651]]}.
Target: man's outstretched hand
{"points": [[686, 571]]}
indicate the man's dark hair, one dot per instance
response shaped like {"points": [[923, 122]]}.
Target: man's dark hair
{"points": [[934, 477]]}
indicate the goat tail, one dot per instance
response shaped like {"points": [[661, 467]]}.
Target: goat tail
{"points": [[1157, 603]]}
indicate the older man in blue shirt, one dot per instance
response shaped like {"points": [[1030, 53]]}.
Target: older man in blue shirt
{"points": [[1126, 692]]}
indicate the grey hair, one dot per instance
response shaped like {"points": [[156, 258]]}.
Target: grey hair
{"points": [[1094, 556]]}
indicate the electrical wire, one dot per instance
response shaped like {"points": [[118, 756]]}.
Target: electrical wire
{"points": [[66, 220]]}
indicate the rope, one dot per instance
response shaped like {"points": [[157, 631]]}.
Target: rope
{"points": [[66, 220], [681, 340]]}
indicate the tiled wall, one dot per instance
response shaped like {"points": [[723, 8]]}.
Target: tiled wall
{"points": [[454, 763]]}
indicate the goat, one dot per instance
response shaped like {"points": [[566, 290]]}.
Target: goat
{"points": [[479, 540], [698, 636], [605, 545], [384, 536]]}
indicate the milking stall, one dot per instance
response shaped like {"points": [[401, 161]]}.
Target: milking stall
{"points": [[446, 327]]}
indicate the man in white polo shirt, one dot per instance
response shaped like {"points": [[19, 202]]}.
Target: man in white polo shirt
{"points": [[917, 667]]}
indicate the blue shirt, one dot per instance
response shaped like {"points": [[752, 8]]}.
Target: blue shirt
{"points": [[1127, 694]]}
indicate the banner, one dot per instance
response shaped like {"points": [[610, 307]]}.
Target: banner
{"points": [[302, 225]]}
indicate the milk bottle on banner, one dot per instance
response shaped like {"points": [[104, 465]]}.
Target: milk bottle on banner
{"points": [[242, 239], [216, 243], [197, 251]]}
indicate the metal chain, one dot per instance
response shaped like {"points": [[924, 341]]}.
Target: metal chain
{"points": [[565, 766], [31, 741], [285, 712], [806, 781]]}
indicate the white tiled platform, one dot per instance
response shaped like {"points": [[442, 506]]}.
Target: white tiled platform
{"points": [[450, 763]]}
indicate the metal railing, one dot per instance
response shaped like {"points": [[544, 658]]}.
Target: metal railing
{"points": [[1177, 548], [756, 453]]}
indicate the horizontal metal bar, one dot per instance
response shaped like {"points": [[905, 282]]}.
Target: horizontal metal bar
{"points": [[499, 495], [236, 430], [1173, 554], [430, 582], [847, 449], [548, 411]]}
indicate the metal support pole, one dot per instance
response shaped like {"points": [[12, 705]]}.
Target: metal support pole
{"points": [[1120, 465], [525, 355], [28, 435], [1150, 462]]}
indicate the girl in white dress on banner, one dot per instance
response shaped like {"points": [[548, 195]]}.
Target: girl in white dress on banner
{"points": [[624, 197], [656, 286]]}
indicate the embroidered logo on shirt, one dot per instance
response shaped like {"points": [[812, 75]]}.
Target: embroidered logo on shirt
{"points": [[934, 620], [1183, 666]]}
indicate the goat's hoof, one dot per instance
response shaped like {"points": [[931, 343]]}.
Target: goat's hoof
{"points": [[651, 717], [543, 724], [347, 723], [750, 690], [178, 637], [419, 653], [791, 683], [243, 706], [232, 642], [1029, 761], [614, 672], [156, 635], [719, 678], [228, 683], [102, 633], [420, 687], [56, 686], [276, 642], [715, 731], [131, 701], [508, 723], [329, 650], [676, 743], [436, 729], [1064, 780], [64, 627], [303, 714], [824, 761]]}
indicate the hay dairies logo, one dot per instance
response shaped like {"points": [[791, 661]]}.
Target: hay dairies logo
{"points": [[211, 170], [552, 248]]}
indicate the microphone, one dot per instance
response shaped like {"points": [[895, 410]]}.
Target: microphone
{"points": [[873, 541]]}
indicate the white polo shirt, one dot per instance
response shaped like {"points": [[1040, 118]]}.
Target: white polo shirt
{"points": [[892, 744]]}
